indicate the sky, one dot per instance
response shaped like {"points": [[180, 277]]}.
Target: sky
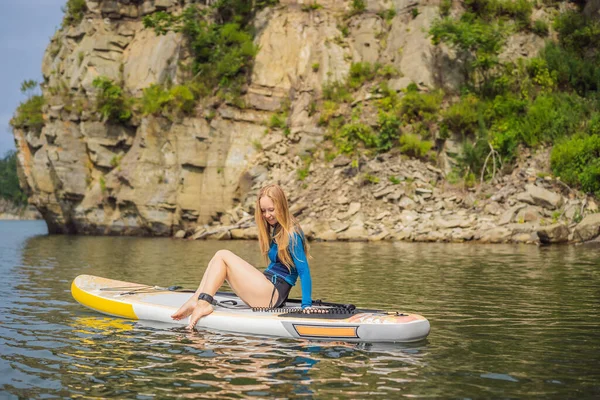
{"points": [[26, 27]]}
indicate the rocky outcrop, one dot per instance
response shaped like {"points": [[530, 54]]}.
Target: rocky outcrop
{"points": [[390, 198], [196, 176], [153, 175], [11, 211]]}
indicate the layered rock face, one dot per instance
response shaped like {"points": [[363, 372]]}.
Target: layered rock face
{"points": [[198, 176], [153, 175]]}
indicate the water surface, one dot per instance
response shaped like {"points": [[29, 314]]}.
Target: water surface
{"points": [[508, 321]]}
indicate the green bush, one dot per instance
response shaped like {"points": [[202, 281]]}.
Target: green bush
{"points": [[416, 106], [353, 134], [336, 92], [546, 119], [388, 126], [330, 108], [462, 117], [593, 126], [311, 7], [578, 32], [29, 114], [9, 180], [481, 40], [278, 121], [572, 70], [360, 73], [488, 10], [473, 156], [169, 102], [540, 28], [358, 6], [412, 145], [519, 10], [388, 71], [390, 101], [388, 14], [577, 162], [223, 52], [550, 117], [546, 99], [111, 101], [74, 11], [370, 179], [445, 7]]}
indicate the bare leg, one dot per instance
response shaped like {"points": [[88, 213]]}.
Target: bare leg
{"points": [[186, 309], [245, 280]]}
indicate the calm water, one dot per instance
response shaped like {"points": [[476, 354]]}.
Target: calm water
{"points": [[507, 322]]}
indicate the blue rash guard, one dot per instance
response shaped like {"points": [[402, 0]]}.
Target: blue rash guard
{"points": [[300, 267]]}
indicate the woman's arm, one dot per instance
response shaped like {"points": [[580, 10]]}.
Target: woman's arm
{"points": [[301, 264]]}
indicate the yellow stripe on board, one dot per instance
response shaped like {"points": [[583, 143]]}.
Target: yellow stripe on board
{"points": [[103, 304], [326, 331]]}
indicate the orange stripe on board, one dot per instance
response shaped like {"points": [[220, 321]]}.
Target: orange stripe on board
{"points": [[326, 331], [102, 304]]}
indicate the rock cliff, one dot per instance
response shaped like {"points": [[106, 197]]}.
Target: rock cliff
{"points": [[197, 175]]}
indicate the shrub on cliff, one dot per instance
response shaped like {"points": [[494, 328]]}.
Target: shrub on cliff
{"points": [[541, 100], [353, 134], [29, 114], [74, 11], [111, 101], [577, 162], [417, 106], [480, 41], [170, 102], [388, 126], [462, 117], [220, 39], [413, 145], [576, 59], [490, 10]]}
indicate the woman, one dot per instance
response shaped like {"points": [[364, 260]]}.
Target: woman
{"points": [[281, 241]]}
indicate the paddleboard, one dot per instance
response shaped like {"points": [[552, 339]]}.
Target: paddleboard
{"points": [[326, 321]]}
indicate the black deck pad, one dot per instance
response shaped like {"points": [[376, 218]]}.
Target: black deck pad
{"points": [[340, 315]]}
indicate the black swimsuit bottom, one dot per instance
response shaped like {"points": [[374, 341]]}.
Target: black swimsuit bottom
{"points": [[282, 287]]}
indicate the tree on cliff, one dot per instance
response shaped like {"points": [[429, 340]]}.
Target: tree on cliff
{"points": [[9, 181]]}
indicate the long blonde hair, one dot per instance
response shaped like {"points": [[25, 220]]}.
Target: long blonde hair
{"points": [[287, 226]]}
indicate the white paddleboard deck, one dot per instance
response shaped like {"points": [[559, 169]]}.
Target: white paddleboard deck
{"points": [[152, 303]]}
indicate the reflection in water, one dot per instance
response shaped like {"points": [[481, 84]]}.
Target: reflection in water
{"points": [[507, 321]]}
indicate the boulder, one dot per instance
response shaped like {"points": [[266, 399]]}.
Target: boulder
{"points": [[508, 215], [588, 228], [528, 214], [328, 235], [447, 223], [543, 197], [250, 233], [407, 203], [556, 233], [496, 235], [352, 209]]}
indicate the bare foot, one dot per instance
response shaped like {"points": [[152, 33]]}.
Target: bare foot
{"points": [[202, 309], [186, 309]]}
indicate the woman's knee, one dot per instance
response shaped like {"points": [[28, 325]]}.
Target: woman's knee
{"points": [[223, 255]]}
